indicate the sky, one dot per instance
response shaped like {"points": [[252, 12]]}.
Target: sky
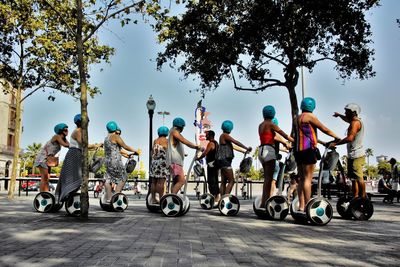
{"points": [[132, 77]]}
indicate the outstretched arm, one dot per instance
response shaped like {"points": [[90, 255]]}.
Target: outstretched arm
{"points": [[183, 140]]}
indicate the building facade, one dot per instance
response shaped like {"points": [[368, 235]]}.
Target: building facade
{"points": [[7, 130]]}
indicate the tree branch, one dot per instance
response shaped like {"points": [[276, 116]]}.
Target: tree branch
{"points": [[106, 17], [262, 79], [323, 58], [61, 17], [34, 90], [270, 57], [262, 88]]}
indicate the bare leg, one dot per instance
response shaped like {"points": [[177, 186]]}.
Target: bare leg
{"points": [[361, 186], [160, 187], [44, 181], [267, 188], [180, 181], [222, 188], [119, 186], [231, 181], [108, 192], [153, 190], [355, 188], [304, 188]]}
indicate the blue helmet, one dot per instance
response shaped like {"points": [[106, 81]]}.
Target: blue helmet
{"points": [[178, 122], [308, 104], [268, 112], [275, 121], [111, 126], [163, 131], [227, 126], [77, 119], [59, 128]]}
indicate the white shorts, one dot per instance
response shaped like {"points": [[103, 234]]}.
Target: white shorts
{"points": [[266, 153]]}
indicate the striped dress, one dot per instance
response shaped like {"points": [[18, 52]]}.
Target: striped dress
{"points": [[307, 136]]}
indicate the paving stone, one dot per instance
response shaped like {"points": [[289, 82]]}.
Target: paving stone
{"points": [[137, 237]]}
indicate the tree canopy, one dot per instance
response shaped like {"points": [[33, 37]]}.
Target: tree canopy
{"points": [[245, 40]]}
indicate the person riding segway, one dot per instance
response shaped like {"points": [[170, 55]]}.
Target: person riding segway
{"points": [[360, 206]]}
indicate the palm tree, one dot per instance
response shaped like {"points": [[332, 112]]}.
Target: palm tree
{"points": [[368, 153], [31, 152]]}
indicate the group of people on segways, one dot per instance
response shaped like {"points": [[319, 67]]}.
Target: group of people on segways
{"points": [[168, 161], [70, 179], [304, 208]]}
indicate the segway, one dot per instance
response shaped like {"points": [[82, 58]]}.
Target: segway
{"points": [[229, 204], [277, 207], [206, 200], [45, 202], [318, 210], [173, 205], [119, 201], [357, 208]]}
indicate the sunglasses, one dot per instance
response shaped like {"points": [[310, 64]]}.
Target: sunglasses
{"points": [[118, 133], [65, 130]]}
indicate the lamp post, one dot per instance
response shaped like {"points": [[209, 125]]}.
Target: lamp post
{"points": [[163, 113], [151, 106]]}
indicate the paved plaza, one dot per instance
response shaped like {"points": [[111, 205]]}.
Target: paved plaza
{"points": [[137, 237]]}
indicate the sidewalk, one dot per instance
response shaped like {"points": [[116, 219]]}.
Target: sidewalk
{"points": [[200, 238]]}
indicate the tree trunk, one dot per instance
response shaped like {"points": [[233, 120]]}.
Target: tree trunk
{"points": [[83, 99], [14, 171]]}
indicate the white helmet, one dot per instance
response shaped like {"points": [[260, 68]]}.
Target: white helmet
{"points": [[353, 107]]}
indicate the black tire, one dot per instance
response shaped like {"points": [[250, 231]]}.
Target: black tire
{"points": [[277, 208], [207, 201], [103, 205], [186, 206], [73, 205], [44, 202], [119, 202], [319, 211], [151, 207], [261, 213], [229, 205], [361, 208], [343, 207], [171, 205], [297, 216]]}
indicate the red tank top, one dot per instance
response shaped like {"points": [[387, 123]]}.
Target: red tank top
{"points": [[267, 138]]}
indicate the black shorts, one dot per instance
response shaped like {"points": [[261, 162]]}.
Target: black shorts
{"points": [[307, 157]]}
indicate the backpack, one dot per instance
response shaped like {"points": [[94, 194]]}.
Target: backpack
{"points": [[245, 164]]}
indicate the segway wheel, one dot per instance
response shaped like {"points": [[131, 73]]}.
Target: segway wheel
{"points": [[44, 202], [361, 208], [261, 213], [119, 202], [171, 205], [186, 205], [297, 216], [319, 211], [277, 208], [103, 204], [73, 205], [151, 207], [207, 201], [343, 207], [229, 205]]}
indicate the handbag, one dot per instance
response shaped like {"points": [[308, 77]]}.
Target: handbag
{"points": [[97, 163], [245, 164], [52, 161], [130, 165]]}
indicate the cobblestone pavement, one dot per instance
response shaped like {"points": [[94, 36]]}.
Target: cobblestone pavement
{"points": [[137, 237]]}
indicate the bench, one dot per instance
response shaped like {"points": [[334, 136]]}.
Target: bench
{"points": [[384, 195]]}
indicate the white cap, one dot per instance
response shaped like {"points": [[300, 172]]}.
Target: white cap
{"points": [[353, 107]]}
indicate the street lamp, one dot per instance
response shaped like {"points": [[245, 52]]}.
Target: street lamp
{"points": [[163, 113], [151, 106]]}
